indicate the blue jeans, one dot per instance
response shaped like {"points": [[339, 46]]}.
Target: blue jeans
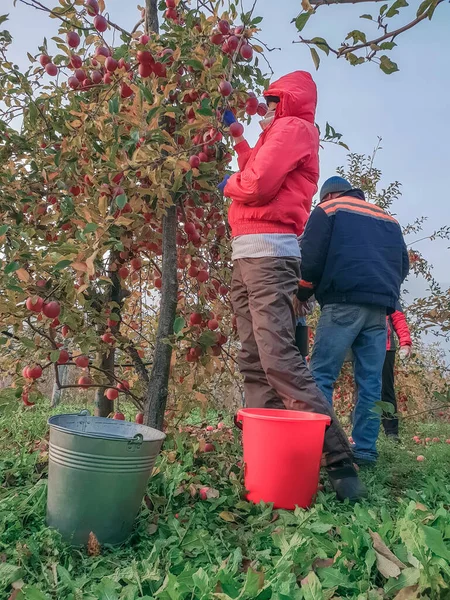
{"points": [[361, 327]]}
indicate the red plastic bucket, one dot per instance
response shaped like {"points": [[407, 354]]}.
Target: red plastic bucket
{"points": [[282, 454]]}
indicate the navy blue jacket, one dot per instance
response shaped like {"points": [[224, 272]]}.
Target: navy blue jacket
{"points": [[353, 252]]}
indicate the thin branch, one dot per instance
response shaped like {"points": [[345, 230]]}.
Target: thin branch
{"points": [[326, 2]]}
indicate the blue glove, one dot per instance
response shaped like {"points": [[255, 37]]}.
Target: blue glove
{"points": [[228, 117], [223, 183]]}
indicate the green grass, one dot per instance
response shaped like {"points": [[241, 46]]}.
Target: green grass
{"points": [[183, 548]]}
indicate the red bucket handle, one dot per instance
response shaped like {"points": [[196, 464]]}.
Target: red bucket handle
{"points": [[238, 419]]}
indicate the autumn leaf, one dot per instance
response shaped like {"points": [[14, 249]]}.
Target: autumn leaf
{"points": [[93, 546]]}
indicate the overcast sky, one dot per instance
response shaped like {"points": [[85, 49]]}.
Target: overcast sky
{"points": [[409, 109]]}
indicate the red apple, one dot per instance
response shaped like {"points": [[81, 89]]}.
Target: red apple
{"points": [[203, 493], [51, 69], [145, 70], [52, 309], [108, 338], [34, 372], [225, 88], [118, 416], [97, 77], [213, 324], [246, 51], [124, 386], [171, 13], [76, 61], [123, 272], [125, 91], [63, 357], [80, 75], [35, 304], [170, 3], [144, 39], [85, 381], [233, 42], [136, 263], [145, 57], [44, 60], [92, 7], [73, 83], [194, 161], [26, 372], [158, 283], [195, 319], [111, 64], [203, 276], [73, 39], [262, 109], [420, 458], [100, 23], [251, 106], [82, 361], [216, 39], [224, 27], [139, 418], [112, 393], [236, 129], [209, 448], [103, 51]]}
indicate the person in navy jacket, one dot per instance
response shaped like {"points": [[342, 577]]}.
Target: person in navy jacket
{"points": [[354, 260]]}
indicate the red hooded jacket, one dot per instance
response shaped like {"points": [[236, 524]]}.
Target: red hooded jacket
{"points": [[273, 191], [397, 322]]}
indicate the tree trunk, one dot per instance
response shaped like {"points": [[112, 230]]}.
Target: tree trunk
{"points": [[103, 406], [63, 373], [156, 397], [151, 16]]}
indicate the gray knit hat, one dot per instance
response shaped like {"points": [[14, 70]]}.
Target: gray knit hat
{"points": [[334, 184]]}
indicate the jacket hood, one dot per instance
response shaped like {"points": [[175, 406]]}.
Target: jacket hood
{"points": [[298, 95]]}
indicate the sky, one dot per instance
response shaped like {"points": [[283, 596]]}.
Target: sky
{"points": [[409, 109]]}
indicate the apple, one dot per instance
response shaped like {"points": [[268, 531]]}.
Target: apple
{"points": [[44, 60], [108, 338], [34, 372], [171, 13], [233, 42], [158, 283], [220, 425], [26, 372], [170, 3], [194, 161], [189, 228], [203, 493], [210, 428], [209, 448], [213, 324], [195, 319], [262, 109], [82, 361], [100, 23], [97, 78], [118, 416], [51, 309], [25, 399], [92, 7], [123, 272], [203, 276], [216, 39], [145, 57], [225, 88], [136, 263], [145, 70], [420, 458], [63, 357], [236, 129], [125, 91], [112, 393], [144, 39], [85, 381], [251, 106], [35, 304], [76, 61], [139, 418], [103, 51], [111, 64], [73, 39], [224, 27], [124, 386], [80, 75], [192, 271], [51, 69], [73, 83], [246, 51]]}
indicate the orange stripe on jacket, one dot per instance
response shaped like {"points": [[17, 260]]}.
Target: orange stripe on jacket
{"points": [[351, 200], [359, 209]]}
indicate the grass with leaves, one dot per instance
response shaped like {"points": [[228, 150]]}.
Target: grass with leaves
{"points": [[394, 545]]}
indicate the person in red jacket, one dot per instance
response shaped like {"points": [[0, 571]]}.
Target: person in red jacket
{"points": [[396, 324], [271, 201]]}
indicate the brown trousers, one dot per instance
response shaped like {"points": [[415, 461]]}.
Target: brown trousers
{"points": [[275, 375]]}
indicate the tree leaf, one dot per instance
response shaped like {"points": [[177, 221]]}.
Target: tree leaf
{"points": [[387, 45], [380, 547], [387, 65], [386, 567], [62, 264], [315, 56], [54, 355], [227, 516], [369, 17], [407, 578], [394, 8], [301, 20], [179, 325], [3, 229], [13, 266], [106, 590], [331, 577], [90, 227], [322, 44], [113, 105], [121, 201], [408, 593]]}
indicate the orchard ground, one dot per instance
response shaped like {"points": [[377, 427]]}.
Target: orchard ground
{"points": [[195, 543]]}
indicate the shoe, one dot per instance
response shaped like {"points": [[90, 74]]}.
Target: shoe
{"points": [[345, 481], [363, 463], [394, 437]]}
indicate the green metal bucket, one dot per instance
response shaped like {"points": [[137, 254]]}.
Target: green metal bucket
{"points": [[98, 472]]}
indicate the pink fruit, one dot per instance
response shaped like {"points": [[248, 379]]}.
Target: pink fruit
{"points": [[92, 7], [73, 83], [80, 75], [35, 304], [216, 39], [34, 372], [246, 51], [63, 357], [108, 338], [251, 106], [73, 39], [76, 61], [112, 393], [420, 458], [236, 129], [209, 448], [111, 64], [100, 23], [125, 91], [195, 319], [102, 51], [51, 69], [82, 361], [203, 493], [52, 309], [26, 372], [203, 276], [139, 418], [144, 40], [44, 60], [209, 428], [97, 77], [85, 381], [213, 324], [223, 26], [118, 416], [194, 161], [225, 88], [220, 425], [262, 109], [233, 42], [145, 70]]}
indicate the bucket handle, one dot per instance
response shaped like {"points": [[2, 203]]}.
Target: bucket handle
{"points": [[136, 442], [238, 419]]}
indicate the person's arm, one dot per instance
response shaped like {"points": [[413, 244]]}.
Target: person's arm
{"points": [[288, 143], [314, 249], [243, 151], [405, 261], [401, 328]]}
